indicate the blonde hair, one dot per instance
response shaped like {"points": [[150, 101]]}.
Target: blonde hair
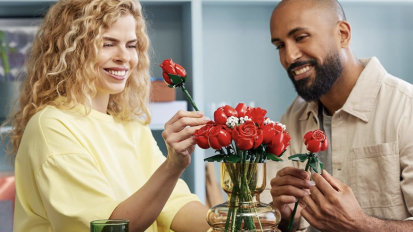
{"points": [[63, 62]]}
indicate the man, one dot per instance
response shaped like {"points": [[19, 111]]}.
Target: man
{"points": [[366, 114]]}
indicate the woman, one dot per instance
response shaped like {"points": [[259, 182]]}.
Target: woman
{"points": [[84, 148]]}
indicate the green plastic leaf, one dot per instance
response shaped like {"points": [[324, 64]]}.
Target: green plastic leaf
{"points": [[233, 159], [298, 157], [317, 165], [176, 79], [215, 158], [273, 157], [171, 86], [320, 164], [260, 149]]}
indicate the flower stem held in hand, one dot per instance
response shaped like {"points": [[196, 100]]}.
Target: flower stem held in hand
{"points": [[307, 166], [188, 96]]}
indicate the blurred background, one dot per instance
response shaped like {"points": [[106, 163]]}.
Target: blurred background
{"points": [[225, 46]]}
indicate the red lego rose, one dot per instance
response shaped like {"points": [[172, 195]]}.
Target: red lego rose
{"points": [[219, 137], [247, 135], [171, 68], [316, 141]]}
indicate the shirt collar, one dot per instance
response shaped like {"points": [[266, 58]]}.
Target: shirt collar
{"points": [[363, 96], [361, 100]]}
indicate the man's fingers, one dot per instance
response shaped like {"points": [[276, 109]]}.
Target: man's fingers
{"points": [[336, 184], [291, 180], [291, 171], [284, 200], [322, 184], [288, 190]]}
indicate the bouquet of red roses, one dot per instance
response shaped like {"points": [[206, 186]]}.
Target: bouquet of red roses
{"points": [[243, 138], [243, 134]]}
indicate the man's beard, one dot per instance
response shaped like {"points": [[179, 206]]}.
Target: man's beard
{"points": [[325, 76]]}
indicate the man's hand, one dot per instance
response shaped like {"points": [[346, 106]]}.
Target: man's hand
{"points": [[332, 206], [289, 184], [178, 136]]}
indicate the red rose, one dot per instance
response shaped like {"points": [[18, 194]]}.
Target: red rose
{"points": [[241, 109], [316, 141], [279, 142], [276, 150], [169, 67], [247, 135], [223, 113], [201, 135], [268, 133], [279, 135], [219, 137], [257, 115]]}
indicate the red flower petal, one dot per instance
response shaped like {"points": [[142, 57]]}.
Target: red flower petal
{"points": [[166, 78], [277, 139], [229, 111], [314, 146], [180, 70], [241, 109], [277, 150], [268, 132], [307, 137], [324, 146], [245, 143], [219, 116]]}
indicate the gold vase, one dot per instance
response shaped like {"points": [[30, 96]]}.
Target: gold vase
{"points": [[243, 182]]}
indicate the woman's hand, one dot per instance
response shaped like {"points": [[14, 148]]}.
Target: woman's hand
{"points": [[178, 136]]}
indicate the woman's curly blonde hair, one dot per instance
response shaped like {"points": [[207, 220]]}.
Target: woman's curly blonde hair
{"points": [[63, 62]]}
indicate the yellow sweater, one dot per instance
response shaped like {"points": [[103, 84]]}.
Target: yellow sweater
{"points": [[72, 169]]}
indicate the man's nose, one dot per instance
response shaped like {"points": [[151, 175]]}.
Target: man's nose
{"points": [[292, 54]]}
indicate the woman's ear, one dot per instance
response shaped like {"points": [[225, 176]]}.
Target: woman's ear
{"points": [[344, 30]]}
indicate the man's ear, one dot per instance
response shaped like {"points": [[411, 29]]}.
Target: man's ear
{"points": [[344, 30]]}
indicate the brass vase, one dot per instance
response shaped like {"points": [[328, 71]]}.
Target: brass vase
{"points": [[243, 182]]}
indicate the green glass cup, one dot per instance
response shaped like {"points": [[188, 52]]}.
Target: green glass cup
{"points": [[107, 225]]}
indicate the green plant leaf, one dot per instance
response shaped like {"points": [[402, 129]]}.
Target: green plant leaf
{"points": [[176, 79], [273, 157], [215, 158], [233, 159], [298, 157]]}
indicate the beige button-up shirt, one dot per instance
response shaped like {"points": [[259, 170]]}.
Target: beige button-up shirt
{"points": [[372, 142]]}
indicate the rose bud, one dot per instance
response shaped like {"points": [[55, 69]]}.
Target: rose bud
{"points": [[316, 141], [276, 150], [172, 73], [223, 113], [219, 137], [201, 135], [241, 109]]}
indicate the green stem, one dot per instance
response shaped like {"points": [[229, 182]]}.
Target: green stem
{"points": [[307, 166], [189, 97]]}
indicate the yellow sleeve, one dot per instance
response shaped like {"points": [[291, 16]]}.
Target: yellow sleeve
{"points": [[180, 196]]}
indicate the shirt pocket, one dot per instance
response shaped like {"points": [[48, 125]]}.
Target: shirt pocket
{"points": [[375, 175]]}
